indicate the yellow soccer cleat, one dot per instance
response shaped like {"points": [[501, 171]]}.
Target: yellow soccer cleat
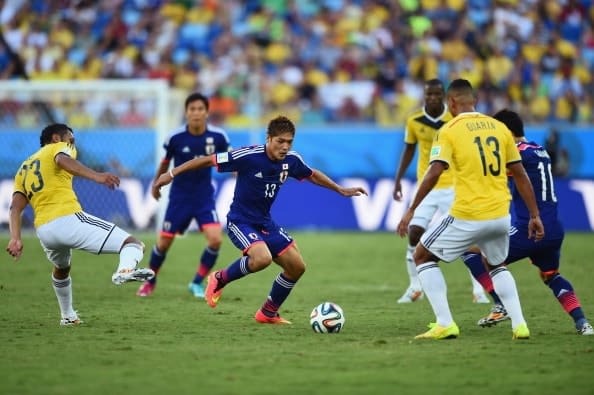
{"points": [[521, 332], [437, 332]]}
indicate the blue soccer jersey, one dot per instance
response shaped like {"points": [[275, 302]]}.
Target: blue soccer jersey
{"points": [[259, 180], [537, 163], [194, 186]]}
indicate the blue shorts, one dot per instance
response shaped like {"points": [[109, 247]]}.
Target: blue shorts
{"points": [[243, 235], [545, 254], [179, 215]]}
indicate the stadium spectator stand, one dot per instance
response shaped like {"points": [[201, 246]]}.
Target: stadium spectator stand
{"points": [[315, 60]]}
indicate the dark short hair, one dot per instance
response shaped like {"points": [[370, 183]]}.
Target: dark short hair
{"points": [[280, 125], [460, 85], [55, 128], [194, 97], [434, 82], [512, 120]]}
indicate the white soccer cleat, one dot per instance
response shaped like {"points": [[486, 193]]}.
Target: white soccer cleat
{"points": [[126, 275], [411, 295], [71, 321], [586, 330]]}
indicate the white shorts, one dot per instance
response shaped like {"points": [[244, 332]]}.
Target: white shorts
{"points": [[80, 231], [449, 238], [435, 205]]}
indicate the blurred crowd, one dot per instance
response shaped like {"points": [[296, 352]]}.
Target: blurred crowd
{"points": [[315, 60]]}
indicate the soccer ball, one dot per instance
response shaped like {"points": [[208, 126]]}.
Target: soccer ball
{"points": [[327, 317]]}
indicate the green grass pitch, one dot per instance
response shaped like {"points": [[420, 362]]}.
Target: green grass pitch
{"points": [[171, 343]]}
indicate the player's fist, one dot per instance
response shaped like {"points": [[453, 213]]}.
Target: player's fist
{"points": [[15, 248]]}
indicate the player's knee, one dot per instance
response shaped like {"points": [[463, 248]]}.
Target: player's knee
{"points": [[164, 244], [422, 255], [299, 269], [214, 243], [61, 273], [260, 260], [548, 275], [414, 235]]}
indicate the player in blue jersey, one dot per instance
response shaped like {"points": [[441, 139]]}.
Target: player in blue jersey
{"points": [[261, 172], [191, 196], [544, 254]]}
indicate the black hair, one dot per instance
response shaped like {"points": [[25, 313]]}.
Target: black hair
{"points": [[196, 96], [512, 120], [280, 125], [55, 128], [460, 85], [435, 82]]}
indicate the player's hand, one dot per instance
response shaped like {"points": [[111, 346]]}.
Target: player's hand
{"points": [[397, 194], [164, 179], [155, 191], [402, 228], [358, 191], [15, 248], [536, 229], [109, 180]]}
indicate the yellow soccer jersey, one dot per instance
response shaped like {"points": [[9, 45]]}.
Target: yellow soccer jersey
{"points": [[47, 186], [421, 129], [477, 149]]}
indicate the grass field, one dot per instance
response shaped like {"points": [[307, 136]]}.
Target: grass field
{"points": [[172, 343]]}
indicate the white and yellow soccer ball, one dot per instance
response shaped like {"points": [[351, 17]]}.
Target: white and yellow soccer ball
{"points": [[327, 317]]}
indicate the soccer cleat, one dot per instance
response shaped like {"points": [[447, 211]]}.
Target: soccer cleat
{"points": [[437, 332], [213, 291], [521, 332], [146, 289], [480, 298], [411, 295], [197, 290], [71, 321], [264, 319], [497, 314], [586, 329], [126, 275]]}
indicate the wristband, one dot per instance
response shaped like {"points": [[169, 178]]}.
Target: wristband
{"points": [[171, 173]]}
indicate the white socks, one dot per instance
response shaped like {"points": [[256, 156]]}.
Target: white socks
{"points": [[436, 290], [505, 286], [411, 268], [63, 290], [130, 255]]}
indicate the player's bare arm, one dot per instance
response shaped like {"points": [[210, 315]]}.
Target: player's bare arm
{"points": [[76, 168], [15, 244], [193, 164], [323, 180], [405, 159], [536, 229], [163, 166], [431, 177]]}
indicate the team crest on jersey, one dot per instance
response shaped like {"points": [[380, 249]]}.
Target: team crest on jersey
{"points": [[222, 157]]}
